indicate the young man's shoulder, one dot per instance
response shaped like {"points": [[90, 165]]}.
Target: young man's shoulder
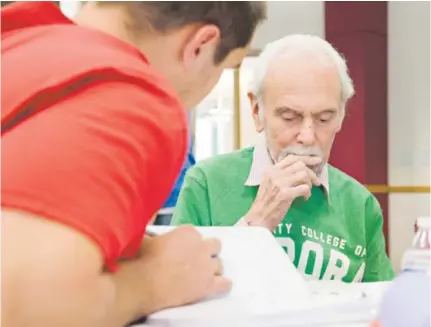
{"points": [[67, 58], [85, 52], [59, 69]]}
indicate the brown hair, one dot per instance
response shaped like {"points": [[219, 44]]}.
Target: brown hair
{"points": [[237, 20]]}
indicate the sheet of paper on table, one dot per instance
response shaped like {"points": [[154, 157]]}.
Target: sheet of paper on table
{"points": [[267, 289]]}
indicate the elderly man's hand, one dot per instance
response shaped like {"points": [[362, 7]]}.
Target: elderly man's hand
{"points": [[285, 181]]}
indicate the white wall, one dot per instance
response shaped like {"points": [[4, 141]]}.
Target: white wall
{"points": [[290, 17], [409, 117], [284, 18]]}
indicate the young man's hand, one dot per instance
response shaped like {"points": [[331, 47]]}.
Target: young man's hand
{"points": [[181, 268]]}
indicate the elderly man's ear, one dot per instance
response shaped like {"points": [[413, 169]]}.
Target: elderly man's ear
{"points": [[257, 112], [341, 120]]}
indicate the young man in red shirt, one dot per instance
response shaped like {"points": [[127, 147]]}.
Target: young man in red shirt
{"points": [[93, 137]]}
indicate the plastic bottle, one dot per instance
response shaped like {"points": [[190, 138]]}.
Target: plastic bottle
{"points": [[407, 300]]}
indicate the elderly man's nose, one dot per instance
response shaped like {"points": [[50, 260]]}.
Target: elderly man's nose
{"points": [[306, 134]]}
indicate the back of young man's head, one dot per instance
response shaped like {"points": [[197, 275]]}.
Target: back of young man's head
{"points": [[236, 20], [190, 42]]}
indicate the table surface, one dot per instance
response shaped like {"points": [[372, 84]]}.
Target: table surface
{"points": [[372, 290], [338, 325]]}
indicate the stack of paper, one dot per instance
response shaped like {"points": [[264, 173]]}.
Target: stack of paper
{"points": [[267, 289]]}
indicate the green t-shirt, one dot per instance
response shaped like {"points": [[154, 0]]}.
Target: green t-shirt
{"points": [[332, 236]]}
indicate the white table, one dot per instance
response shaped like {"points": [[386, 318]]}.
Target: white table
{"points": [[373, 291], [338, 325]]}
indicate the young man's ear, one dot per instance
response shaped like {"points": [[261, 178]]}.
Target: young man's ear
{"points": [[257, 112], [202, 41]]}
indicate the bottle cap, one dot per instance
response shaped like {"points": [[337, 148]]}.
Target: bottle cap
{"points": [[422, 238], [418, 256]]}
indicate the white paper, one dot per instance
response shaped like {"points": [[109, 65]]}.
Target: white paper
{"points": [[260, 270], [267, 289]]}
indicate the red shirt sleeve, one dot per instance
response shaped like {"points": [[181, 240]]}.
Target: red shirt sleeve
{"points": [[101, 161]]}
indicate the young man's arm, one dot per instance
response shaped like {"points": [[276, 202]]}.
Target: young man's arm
{"points": [[53, 276], [378, 266]]}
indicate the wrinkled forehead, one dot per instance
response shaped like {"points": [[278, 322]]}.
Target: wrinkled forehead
{"points": [[302, 76]]}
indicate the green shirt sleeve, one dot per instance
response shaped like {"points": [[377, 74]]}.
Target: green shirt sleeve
{"points": [[378, 266], [193, 203]]}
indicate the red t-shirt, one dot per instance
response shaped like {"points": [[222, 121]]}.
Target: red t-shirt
{"points": [[106, 136]]}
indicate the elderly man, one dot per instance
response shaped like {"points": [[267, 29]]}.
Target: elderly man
{"points": [[328, 223]]}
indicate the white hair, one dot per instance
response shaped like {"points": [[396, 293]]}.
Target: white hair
{"points": [[301, 43]]}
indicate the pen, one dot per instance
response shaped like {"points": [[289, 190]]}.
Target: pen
{"points": [[150, 233], [139, 321]]}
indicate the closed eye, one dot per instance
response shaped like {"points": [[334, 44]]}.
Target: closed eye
{"points": [[325, 117], [287, 114], [289, 118]]}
